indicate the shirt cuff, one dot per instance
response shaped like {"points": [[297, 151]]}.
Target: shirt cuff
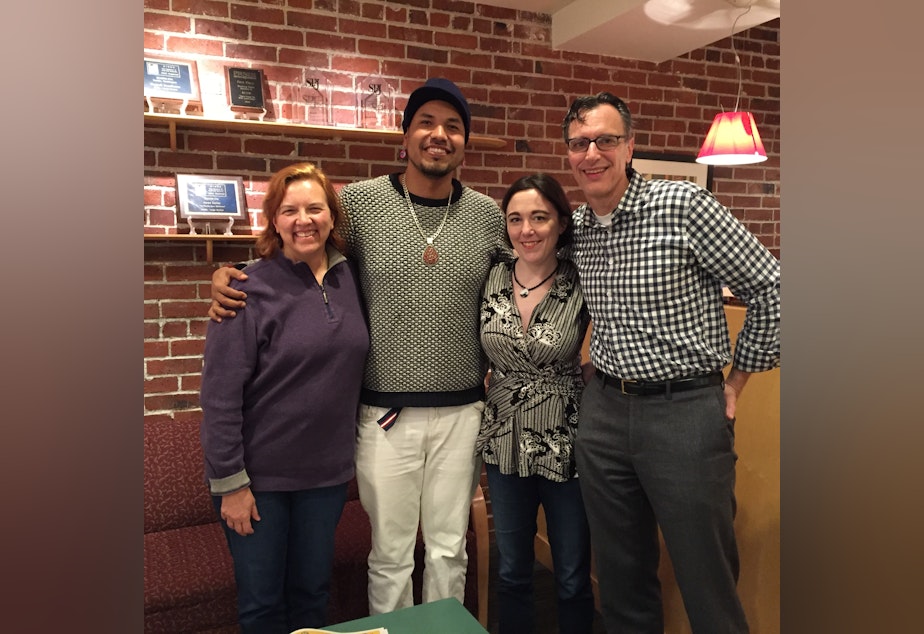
{"points": [[224, 486]]}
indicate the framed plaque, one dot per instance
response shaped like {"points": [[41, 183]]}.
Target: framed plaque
{"points": [[244, 88], [205, 201], [171, 85]]}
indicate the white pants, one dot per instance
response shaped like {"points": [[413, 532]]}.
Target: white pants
{"points": [[422, 471]]}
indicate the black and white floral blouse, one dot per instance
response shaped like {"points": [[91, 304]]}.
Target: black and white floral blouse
{"points": [[531, 412]]}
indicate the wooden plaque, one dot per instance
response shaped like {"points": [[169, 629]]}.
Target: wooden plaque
{"points": [[171, 84], [244, 88], [204, 200]]}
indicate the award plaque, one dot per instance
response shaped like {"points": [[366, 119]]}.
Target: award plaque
{"points": [[375, 103], [204, 200], [171, 85], [315, 96], [244, 87]]}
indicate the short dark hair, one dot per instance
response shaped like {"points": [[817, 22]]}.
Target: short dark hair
{"points": [[438, 89], [582, 105], [552, 191]]}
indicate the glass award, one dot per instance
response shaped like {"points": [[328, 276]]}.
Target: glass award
{"points": [[375, 103], [315, 97]]}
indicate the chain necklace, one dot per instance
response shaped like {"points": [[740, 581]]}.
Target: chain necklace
{"points": [[430, 256], [525, 291]]}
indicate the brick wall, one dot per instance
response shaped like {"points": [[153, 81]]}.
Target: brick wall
{"points": [[519, 89]]}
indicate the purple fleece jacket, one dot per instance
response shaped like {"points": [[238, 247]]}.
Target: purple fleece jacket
{"points": [[281, 380]]}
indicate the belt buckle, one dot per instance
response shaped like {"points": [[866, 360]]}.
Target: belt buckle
{"points": [[622, 386]]}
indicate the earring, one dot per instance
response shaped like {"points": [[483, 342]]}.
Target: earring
{"points": [[402, 153]]}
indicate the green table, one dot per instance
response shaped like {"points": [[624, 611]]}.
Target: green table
{"points": [[446, 616]]}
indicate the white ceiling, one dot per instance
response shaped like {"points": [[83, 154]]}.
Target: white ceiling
{"points": [[648, 30]]}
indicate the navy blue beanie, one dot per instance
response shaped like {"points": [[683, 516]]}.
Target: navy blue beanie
{"points": [[439, 89]]}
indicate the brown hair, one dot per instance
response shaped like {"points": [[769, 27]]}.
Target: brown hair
{"points": [[582, 105], [269, 240], [552, 191]]}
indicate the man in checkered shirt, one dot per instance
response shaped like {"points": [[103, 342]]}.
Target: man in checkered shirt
{"points": [[655, 445]]}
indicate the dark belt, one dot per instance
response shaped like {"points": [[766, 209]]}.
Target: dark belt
{"points": [[648, 388]]}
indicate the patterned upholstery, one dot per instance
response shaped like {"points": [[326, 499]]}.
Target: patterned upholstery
{"points": [[188, 572]]}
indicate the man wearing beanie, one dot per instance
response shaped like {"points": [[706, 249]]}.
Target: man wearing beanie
{"points": [[423, 243]]}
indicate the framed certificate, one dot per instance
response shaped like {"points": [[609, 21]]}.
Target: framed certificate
{"points": [[205, 200]]}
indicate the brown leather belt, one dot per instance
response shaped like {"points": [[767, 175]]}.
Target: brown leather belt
{"points": [[649, 388]]}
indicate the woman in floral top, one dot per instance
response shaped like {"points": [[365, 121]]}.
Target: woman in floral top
{"points": [[533, 322]]}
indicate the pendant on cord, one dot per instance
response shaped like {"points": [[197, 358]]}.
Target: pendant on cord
{"points": [[430, 256]]}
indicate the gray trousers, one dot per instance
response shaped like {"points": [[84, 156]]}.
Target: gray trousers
{"points": [[655, 461]]}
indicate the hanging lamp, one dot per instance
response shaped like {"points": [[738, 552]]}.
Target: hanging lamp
{"points": [[733, 138]]}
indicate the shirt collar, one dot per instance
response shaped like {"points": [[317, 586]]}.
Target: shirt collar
{"points": [[632, 200]]}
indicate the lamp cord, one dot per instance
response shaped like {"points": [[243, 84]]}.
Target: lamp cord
{"points": [[735, 51]]}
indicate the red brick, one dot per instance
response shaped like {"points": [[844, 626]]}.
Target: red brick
{"points": [[161, 218], [171, 402], [183, 160], [199, 328], [205, 142], [405, 34], [194, 47], [165, 22], [156, 349], [261, 14], [365, 29], [173, 366], [269, 147], [188, 309], [174, 329], [161, 385], [377, 12], [191, 382], [169, 291], [222, 29], [241, 163], [281, 37], [200, 7], [154, 41], [188, 347], [193, 414]]}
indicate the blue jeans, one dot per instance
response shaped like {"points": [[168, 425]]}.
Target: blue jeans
{"points": [[515, 502], [283, 569]]}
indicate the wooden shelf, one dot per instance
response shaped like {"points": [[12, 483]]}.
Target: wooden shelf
{"points": [[174, 121], [208, 239]]}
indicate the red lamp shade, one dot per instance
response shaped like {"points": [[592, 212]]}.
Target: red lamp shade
{"points": [[733, 139]]}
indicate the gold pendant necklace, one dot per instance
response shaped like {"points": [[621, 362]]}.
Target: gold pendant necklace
{"points": [[430, 256]]}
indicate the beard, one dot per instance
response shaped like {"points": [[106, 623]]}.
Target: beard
{"points": [[434, 169]]}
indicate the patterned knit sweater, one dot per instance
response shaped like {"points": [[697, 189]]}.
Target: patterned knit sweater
{"points": [[423, 319]]}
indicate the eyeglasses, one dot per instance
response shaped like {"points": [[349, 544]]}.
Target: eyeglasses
{"points": [[604, 142]]}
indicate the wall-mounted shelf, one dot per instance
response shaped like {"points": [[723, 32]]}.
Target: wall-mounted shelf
{"points": [[208, 239], [174, 121]]}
